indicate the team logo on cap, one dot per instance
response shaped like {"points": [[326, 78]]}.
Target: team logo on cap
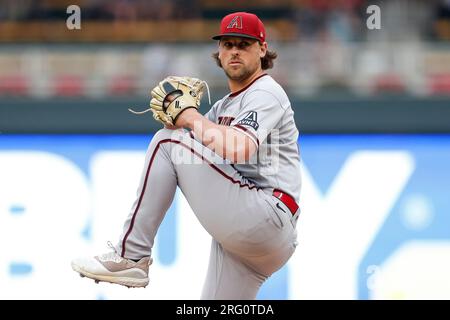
{"points": [[235, 23]]}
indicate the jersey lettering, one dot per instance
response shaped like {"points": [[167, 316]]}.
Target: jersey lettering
{"points": [[225, 121]]}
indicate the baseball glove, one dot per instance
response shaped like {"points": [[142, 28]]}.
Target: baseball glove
{"points": [[173, 95]]}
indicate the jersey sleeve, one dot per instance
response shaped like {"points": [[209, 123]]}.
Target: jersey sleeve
{"points": [[211, 114], [259, 114]]}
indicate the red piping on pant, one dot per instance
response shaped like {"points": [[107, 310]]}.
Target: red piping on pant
{"points": [[212, 165]]}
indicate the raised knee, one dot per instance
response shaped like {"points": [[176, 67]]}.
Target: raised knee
{"points": [[164, 133]]}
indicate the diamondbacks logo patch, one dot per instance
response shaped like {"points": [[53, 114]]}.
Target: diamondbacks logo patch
{"points": [[236, 23], [251, 120]]}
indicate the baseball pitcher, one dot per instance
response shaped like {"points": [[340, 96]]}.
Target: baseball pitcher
{"points": [[238, 167]]}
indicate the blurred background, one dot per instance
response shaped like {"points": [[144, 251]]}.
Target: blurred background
{"points": [[372, 107]]}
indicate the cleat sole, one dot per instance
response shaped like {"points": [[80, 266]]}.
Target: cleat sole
{"points": [[124, 281]]}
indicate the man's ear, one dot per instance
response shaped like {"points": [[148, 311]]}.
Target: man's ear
{"points": [[263, 50]]}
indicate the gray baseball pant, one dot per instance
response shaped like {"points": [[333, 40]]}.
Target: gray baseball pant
{"points": [[252, 238]]}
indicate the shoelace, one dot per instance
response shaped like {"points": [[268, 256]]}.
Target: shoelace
{"points": [[111, 256], [185, 83]]}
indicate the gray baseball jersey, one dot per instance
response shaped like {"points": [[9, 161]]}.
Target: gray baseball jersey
{"points": [[250, 210], [263, 112]]}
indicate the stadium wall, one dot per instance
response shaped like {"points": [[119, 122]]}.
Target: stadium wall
{"points": [[343, 114]]}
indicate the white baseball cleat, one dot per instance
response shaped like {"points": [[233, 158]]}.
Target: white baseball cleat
{"points": [[111, 267]]}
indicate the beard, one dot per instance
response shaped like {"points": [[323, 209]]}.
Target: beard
{"points": [[239, 74]]}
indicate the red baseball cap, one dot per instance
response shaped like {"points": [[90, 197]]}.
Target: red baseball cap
{"points": [[242, 24]]}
